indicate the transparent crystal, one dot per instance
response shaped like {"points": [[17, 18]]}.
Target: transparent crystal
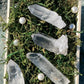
{"points": [[47, 68], [47, 15], [14, 73], [58, 46]]}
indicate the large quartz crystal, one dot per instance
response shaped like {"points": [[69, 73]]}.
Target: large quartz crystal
{"points": [[14, 73], [58, 46], [47, 15], [47, 68]]}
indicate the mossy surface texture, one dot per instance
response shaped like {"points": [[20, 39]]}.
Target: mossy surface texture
{"points": [[33, 25]]}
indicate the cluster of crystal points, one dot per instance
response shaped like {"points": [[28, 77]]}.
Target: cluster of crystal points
{"points": [[46, 67], [47, 15]]}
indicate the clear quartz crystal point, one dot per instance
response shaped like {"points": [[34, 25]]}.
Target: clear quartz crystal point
{"points": [[47, 68], [14, 73], [58, 46], [47, 15]]}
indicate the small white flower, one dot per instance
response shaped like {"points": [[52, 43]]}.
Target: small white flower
{"points": [[41, 76], [74, 9], [72, 26], [16, 42], [22, 20]]}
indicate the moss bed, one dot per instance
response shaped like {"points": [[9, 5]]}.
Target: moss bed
{"points": [[23, 32]]}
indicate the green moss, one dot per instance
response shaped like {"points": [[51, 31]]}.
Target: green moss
{"points": [[23, 32]]}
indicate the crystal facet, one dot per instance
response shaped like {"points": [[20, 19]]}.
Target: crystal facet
{"points": [[47, 68], [58, 46], [14, 73], [47, 15]]}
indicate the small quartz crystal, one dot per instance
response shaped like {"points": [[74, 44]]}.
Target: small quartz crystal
{"points": [[14, 73], [47, 15], [58, 46], [47, 68]]}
